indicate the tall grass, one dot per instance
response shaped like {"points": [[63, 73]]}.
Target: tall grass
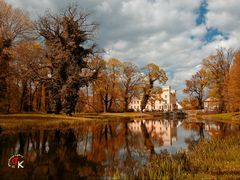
{"points": [[217, 156], [165, 166], [210, 159]]}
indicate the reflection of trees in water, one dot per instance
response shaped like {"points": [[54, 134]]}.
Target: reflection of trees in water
{"points": [[215, 129], [147, 140], [60, 162], [212, 129], [94, 150], [199, 128]]}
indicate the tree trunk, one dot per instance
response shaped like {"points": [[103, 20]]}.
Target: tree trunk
{"points": [[43, 98], [105, 103], [146, 95], [126, 104], [22, 99]]}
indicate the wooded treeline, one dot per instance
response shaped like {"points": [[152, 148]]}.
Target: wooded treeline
{"points": [[54, 65], [218, 78]]}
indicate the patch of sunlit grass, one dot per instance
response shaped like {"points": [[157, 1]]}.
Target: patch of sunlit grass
{"points": [[29, 120], [26, 121], [224, 117]]}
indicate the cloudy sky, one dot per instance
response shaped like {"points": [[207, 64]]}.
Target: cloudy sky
{"points": [[174, 34]]}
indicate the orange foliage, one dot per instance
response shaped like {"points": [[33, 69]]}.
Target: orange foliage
{"points": [[234, 85]]}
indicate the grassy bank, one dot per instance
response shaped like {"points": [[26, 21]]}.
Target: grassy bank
{"points": [[210, 159], [26, 121], [11, 121], [224, 117]]}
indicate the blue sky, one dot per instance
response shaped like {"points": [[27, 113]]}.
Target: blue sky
{"points": [[201, 12], [211, 32], [175, 35]]}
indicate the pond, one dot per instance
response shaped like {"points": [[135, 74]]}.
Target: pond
{"points": [[99, 149]]}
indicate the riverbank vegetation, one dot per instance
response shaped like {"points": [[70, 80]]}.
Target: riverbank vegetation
{"points": [[206, 160]]}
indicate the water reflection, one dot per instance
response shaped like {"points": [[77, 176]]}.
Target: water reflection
{"points": [[98, 149]]}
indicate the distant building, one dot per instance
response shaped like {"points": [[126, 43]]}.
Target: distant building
{"points": [[165, 102], [211, 104]]}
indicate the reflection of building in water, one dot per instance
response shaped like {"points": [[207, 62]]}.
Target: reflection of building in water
{"points": [[163, 129], [219, 128]]}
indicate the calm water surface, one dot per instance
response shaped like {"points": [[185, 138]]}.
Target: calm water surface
{"points": [[99, 149]]}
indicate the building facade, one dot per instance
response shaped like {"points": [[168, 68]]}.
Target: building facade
{"points": [[211, 104], [166, 102]]}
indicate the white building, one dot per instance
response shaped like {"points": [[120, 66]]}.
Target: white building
{"points": [[167, 102], [211, 104]]}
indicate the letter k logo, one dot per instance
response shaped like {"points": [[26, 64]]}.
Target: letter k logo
{"points": [[20, 164]]}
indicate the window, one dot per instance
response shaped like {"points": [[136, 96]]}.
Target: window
{"points": [[165, 96]]}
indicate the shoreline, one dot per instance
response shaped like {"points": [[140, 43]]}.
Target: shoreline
{"points": [[36, 120], [224, 117]]}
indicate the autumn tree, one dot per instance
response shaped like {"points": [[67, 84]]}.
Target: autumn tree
{"points": [[69, 40], [15, 26], [108, 85], [131, 80], [234, 85], [217, 66], [195, 87], [152, 73], [28, 75]]}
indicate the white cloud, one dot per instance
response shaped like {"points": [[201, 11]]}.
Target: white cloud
{"points": [[120, 45], [223, 14], [105, 7]]}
